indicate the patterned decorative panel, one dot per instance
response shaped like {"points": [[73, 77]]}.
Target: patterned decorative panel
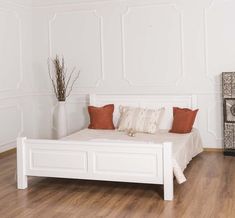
{"points": [[228, 85], [229, 133], [228, 92]]}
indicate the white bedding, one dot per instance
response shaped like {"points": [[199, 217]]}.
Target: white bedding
{"points": [[185, 146]]}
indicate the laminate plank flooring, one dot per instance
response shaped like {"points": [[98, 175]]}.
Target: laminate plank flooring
{"points": [[208, 192]]}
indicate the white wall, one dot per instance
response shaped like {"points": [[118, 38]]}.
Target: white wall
{"points": [[131, 46], [16, 72]]}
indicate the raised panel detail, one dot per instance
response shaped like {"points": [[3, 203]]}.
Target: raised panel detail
{"points": [[213, 111], [10, 51], [152, 45], [11, 119], [78, 37], [126, 164], [60, 160], [43, 112], [219, 39], [75, 108]]}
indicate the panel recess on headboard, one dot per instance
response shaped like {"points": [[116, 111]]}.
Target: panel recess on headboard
{"points": [[146, 101]]}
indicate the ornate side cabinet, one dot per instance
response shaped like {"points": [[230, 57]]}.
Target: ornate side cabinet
{"points": [[228, 92]]}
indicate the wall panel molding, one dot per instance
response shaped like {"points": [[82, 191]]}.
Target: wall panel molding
{"points": [[100, 21], [181, 43], [212, 118], [109, 22], [25, 4], [209, 73], [210, 77], [64, 3], [19, 30], [21, 129]]}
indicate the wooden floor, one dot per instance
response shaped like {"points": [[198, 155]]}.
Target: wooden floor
{"points": [[208, 192]]}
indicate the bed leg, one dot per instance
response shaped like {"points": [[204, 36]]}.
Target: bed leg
{"points": [[168, 171], [22, 181]]}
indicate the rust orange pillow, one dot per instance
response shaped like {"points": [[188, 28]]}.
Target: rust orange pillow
{"points": [[101, 117], [183, 120]]}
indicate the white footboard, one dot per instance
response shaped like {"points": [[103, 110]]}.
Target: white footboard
{"points": [[124, 162]]}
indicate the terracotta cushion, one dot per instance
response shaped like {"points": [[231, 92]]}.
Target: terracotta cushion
{"points": [[101, 117], [183, 120]]}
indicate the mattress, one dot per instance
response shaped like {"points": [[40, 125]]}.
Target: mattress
{"points": [[185, 146]]}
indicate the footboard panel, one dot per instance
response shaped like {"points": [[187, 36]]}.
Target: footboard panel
{"points": [[99, 161], [131, 166], [58, 161], [108, 161]]}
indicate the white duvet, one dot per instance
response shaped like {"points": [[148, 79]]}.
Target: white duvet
{"points": [[185, 146]]}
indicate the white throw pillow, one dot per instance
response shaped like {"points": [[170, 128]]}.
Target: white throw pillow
{"points": [[140, 119]]}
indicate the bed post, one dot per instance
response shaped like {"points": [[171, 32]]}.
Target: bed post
{"points": [[22, 181], [92, 99], [168, 171], [194, 102]]}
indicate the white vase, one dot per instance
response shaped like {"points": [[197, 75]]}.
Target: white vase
{"points": [[60, 120]]}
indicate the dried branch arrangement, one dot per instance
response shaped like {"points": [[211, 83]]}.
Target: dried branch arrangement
{"points": [[61, 81]]}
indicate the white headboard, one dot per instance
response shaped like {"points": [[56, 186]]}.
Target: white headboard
{"points": [[146, 101]]}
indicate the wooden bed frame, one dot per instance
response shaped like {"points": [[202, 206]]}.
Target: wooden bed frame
{"points": [[107, 161]]}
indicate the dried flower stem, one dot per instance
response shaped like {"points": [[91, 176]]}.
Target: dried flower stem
{"points": [[59, 81]]}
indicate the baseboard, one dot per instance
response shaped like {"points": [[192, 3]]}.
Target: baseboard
{"points": [[7, 147], [213, 149], [8, 152]]}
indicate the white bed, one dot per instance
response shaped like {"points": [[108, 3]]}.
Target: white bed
{"points": [[110, 155]]}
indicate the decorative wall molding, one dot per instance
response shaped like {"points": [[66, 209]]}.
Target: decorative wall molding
{"points": [[78, 99], [206, 51], [128, 11], [210, 112], [7, 147], [100, 18], [21, 130], [17, 17], [26, 95], [40, 124], [27, 4], [64, 3], [206, 41]]}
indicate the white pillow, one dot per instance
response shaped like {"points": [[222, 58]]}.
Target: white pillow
{"points": [[140, 119]]}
